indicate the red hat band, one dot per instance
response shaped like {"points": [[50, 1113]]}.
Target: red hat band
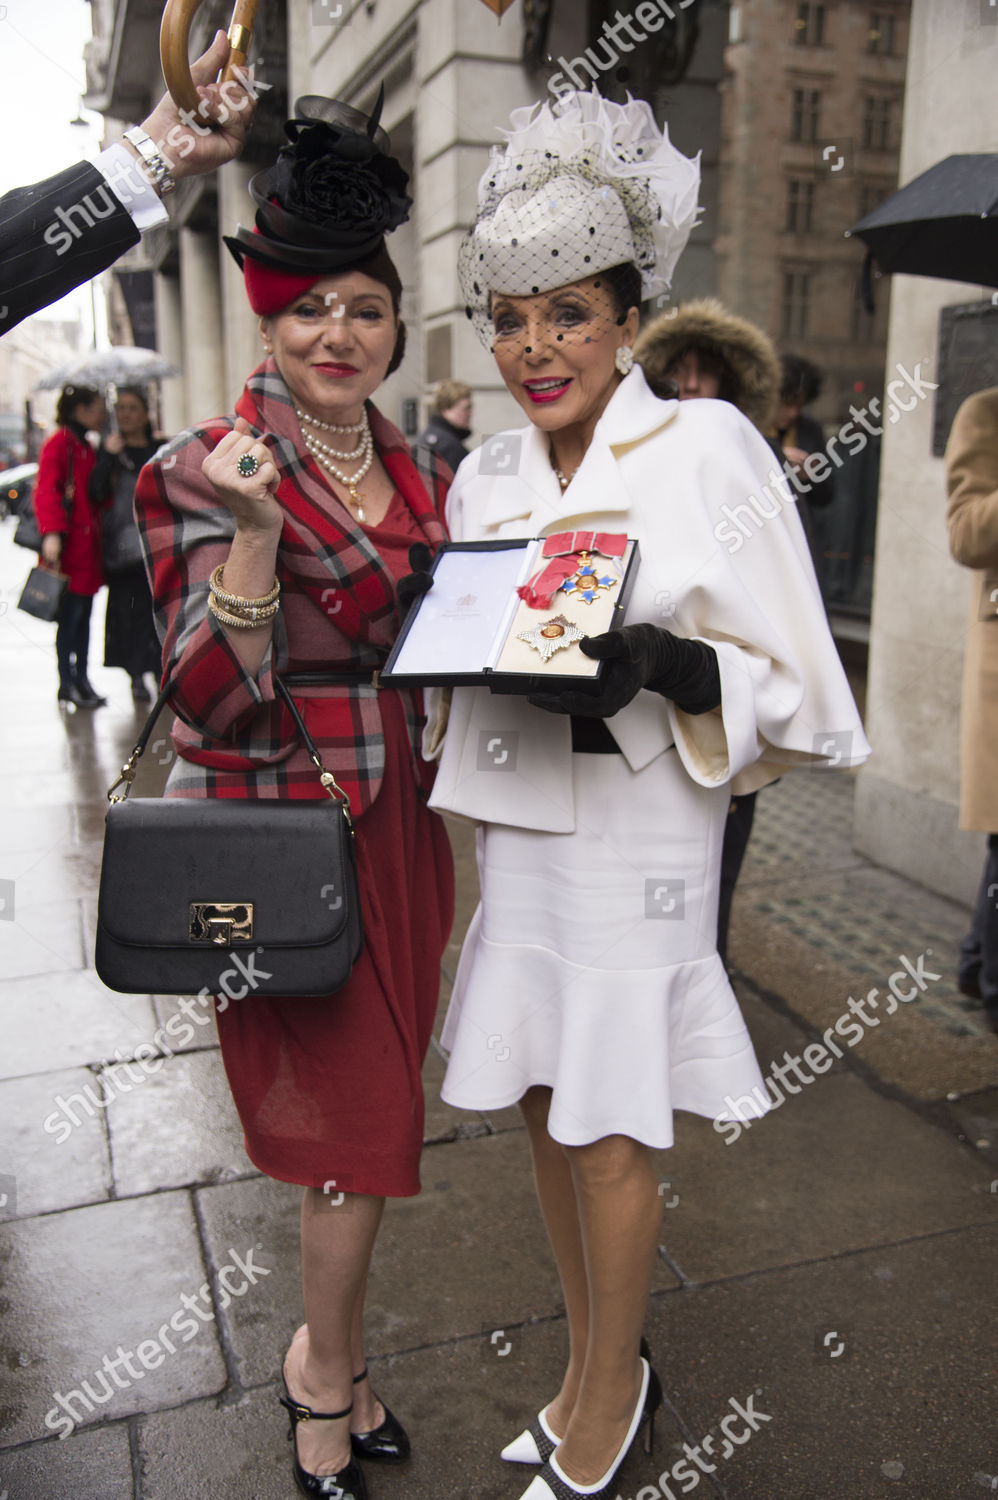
{"points": [[270, 290]]}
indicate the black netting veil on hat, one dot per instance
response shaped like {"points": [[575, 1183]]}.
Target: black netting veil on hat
{"points": [[581, 185], [332, 195]]}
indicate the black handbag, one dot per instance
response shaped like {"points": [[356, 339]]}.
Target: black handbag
{"points": [[42, 594], [121, 545], [232, 897], [27, 532]]}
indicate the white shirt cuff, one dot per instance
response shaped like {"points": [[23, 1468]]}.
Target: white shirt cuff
{"points": [[131, 187]]}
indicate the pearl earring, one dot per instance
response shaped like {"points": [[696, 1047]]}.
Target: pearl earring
{"points": [[624, 359]]}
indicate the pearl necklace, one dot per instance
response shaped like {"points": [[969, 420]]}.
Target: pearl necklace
{"points": [[353, 456], [360, 426], [324, 458], [561, 478]]}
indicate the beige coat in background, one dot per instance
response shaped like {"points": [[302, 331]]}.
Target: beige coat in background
{"points": [[972, 518]]}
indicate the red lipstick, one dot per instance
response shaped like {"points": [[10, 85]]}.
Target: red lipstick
{"points": [[546, 390]]}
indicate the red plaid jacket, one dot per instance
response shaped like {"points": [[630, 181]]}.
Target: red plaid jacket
{"points": [[233, 735]]}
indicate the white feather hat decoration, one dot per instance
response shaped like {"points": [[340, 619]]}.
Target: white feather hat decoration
{"points": [[580, 186]]}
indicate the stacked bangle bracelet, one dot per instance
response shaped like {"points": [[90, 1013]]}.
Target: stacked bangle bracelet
{"points": [[240, 613]]}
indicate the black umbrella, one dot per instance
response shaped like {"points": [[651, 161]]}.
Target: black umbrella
{"points": [[944, 223]]}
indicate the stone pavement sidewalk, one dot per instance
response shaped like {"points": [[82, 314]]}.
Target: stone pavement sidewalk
{"points": [[826, 1282]]}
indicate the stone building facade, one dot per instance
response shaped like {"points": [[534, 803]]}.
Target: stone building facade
{"points": [[907, 801], [452, 73], [811, 131]]}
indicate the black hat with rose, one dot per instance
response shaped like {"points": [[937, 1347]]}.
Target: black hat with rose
{"points": [[324, 207]]}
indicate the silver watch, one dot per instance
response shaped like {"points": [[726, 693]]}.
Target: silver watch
{"points": [[162, 178]]}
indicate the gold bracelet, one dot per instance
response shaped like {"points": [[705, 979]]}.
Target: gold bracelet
{"points": [[235, 601], [240, 622]]}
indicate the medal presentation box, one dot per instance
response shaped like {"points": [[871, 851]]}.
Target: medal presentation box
{"points": [[473, 628]]}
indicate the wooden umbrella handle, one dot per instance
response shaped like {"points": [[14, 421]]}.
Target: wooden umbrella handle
{"points": [[174, 35]]}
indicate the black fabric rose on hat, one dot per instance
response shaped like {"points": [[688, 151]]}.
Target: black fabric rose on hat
{"points": [[334, 192], [341, 179]]}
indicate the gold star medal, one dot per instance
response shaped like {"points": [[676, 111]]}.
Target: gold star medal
{"points": [[551, 636]]}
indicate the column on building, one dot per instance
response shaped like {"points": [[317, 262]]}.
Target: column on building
{"points": [[170, 342], [470, 77], [351, 61], [242, 349], [201, 306], [907, 800]]}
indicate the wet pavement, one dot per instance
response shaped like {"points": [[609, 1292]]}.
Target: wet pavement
{"points": [[826, 1285]]}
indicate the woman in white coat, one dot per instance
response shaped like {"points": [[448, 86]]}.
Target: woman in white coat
{"points": [[592, 955]]}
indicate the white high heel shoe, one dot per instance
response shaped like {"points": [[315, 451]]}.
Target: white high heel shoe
{"points": [[535, 1444], [552, 1484]]}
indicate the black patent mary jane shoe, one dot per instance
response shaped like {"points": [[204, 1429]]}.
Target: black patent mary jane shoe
{"points": [[347, 1483], [385, 1444]]}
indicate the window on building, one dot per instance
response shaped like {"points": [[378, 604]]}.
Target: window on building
{"points": [[865, 326], [804, 113], [796, 303], [871, 195], [881, 36], [800, 205], [809, 27], [878, 123]]}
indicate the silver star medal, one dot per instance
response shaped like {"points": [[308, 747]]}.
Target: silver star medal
{"points": [[551, 636]]}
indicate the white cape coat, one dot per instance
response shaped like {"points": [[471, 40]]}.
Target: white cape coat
{"points": [[714, 566], [591, 965]]}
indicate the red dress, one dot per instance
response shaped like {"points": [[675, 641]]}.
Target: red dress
{"points": [[329, 1090]]}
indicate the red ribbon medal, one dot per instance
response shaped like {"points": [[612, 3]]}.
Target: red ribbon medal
{"points": [[570, 568]]}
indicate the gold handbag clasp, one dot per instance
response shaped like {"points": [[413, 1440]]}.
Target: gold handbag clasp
{"points": [[221, 922]]}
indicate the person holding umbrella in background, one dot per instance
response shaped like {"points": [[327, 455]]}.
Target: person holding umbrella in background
{"points": [[129, 634]]}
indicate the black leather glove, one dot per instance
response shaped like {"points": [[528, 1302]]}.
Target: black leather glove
{"points": [[641, 656], [417, 583]]}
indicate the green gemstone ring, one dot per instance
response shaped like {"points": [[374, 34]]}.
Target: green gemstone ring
{"points": [[247, 465]]}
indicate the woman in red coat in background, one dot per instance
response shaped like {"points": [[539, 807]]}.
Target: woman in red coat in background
{"points": [[70, 526]]}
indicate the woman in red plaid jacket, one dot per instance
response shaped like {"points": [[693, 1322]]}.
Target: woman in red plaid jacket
{"points": [[308, 487]]}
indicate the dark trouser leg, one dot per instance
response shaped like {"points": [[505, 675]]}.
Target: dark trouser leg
{"points": [[72, 637], [82, 646], [737, 827], [969, 967], [988, 926]]}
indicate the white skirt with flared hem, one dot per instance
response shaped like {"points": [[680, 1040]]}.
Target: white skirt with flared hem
{"points": [[591, 965]]}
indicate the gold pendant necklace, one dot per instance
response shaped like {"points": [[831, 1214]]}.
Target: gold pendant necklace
{"points": [[357, 501]]}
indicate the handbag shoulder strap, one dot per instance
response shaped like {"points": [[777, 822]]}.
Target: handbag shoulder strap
{"points": [[328, 780]]}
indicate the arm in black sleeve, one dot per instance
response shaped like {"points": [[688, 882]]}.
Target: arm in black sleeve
{"points": [[56, 234], [102, 476], [642, 656], [416, 583]]}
